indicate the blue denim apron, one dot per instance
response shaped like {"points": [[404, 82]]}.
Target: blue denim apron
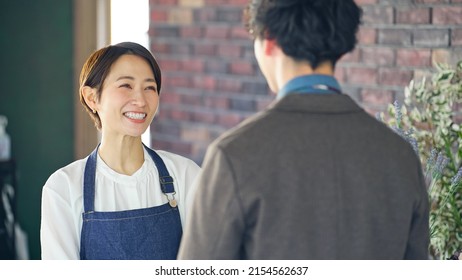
{"points": [[143, 234]]}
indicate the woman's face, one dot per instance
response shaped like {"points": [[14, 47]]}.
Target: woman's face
{"points": [[129, 97]]}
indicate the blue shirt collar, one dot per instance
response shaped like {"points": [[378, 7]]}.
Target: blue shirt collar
{"points": [[310, 84]]}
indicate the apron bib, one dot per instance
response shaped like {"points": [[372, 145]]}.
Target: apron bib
{"points": [[152, 233]]}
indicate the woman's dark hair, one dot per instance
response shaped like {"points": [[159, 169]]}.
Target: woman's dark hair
{"points": [[97, 66], [306, 30]]}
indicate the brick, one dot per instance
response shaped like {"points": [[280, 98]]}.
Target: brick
{"points": [[180, 16], [397, 37], [229, 85], [154, 3], [169, 98], [396, 2], [238, 3], [229, 51], [191, 3], [162, 114], [216, 102], [180, 148], [216, 66], [190, 32], [378, 56], [431, 1], [340, 73], [229, 16], [158, 16], [204, 49], [255, 87], [194, 133], [180, 48], [412, 15], [456, 56], [367, 36], [178, 114], [352, 56], [192, 65], [242, 68], [176, 81], [447, 15], [157, 47], [204, 117], [395, 76], [191, 99], [441, 56], [164, 31], [160, 144], [241, 104], [456, 37], [375, 14], [248, 53], [239, 33], [216, 32], [229, 120], [414, 57], [169, 64], [419, 74], [361, 75], [204, 15], [365, 2], [169, 129], [204, 82], [431, 37], [377, 96]]}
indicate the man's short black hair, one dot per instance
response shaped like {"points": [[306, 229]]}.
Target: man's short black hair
{"points": [[306, 30]]}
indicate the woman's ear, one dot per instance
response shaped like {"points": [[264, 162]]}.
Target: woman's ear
{"points": [[90, 97]]}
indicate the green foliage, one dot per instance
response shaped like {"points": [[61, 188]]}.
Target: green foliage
{"points": [[430, 120]]}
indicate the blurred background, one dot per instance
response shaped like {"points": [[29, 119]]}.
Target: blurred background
{"points": [[211, 81]]}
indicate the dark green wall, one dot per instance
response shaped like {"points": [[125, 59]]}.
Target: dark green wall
{"points": [[36, 94]]}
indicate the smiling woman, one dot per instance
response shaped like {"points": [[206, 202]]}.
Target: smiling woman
{"points": [[124, 201]]}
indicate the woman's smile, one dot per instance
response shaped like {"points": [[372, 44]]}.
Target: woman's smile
{"points": [[135, 116]]}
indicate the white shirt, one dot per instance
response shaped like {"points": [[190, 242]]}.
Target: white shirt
{"points": [[62, 198]]}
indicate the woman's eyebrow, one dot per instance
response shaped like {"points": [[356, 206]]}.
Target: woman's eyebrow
{"points": [[125, 77], [132, 78]]}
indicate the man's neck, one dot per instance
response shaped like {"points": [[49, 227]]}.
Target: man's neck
{"points": [[290, 69]]}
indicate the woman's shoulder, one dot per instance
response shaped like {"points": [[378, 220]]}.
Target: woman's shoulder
{"points": [[69, 175]]}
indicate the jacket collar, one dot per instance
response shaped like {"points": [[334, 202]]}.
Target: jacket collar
{"points": [[316, 103]]}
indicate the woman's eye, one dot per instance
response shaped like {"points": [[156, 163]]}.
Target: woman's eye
{"points": [[152, 88], [126, 86]]}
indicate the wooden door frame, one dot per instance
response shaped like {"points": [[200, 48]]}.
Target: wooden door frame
{"points": [[92, 26]]}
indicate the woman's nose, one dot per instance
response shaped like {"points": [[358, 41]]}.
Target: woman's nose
{"points": [[138, 97]]}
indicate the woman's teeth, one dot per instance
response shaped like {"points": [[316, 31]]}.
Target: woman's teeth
{"points": [[135, 116]]}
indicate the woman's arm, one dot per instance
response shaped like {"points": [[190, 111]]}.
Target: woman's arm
{"points": [[58, 234]]}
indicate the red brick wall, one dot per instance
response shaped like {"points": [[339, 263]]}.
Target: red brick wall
{"points": [[211, 80]]}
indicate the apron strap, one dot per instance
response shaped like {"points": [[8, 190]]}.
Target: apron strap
{"points": [[89, 182], [166, 181]]}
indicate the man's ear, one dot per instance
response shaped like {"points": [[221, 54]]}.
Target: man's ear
{"points": [[269, 46], [89, 95]]}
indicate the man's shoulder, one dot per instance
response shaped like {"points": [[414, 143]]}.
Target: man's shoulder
{"points": [[247, 131]]}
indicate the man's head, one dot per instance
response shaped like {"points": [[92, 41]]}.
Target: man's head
{"points": [[306, 30]]}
